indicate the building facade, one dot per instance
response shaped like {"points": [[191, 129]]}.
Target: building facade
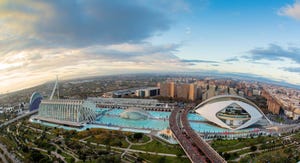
{"points": [[231, 112], [147, 92], [179, 90], [67, 112]]}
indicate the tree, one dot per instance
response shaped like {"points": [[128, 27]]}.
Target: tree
{"points": [[253, 148], [59, 151], [138, 136], [162, 159], [82, 156], [226, 156], [108, 148], [72, 159]]}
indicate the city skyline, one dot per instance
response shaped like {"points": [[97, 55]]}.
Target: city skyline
{"points": [[41, 39]]}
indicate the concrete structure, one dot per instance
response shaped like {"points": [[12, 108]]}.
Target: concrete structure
{"points": [[125, 103], [231, 112], [67, 112], [147, 92], [123, 93]]}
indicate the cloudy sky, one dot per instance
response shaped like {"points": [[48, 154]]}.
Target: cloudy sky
{"points": [[40, 39]]}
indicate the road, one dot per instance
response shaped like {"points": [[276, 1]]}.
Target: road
{"points": [[18, 118], [193, 145], [11, 156]]}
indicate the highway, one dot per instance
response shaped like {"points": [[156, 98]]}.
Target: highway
{"points": [[18, 118], [193, 145]]}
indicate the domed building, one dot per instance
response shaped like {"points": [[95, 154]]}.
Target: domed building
{"points": [[231, 112], [135, 113], [35, 101]]}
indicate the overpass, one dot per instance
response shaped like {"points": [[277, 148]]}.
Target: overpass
{"points": [[193, 145]]}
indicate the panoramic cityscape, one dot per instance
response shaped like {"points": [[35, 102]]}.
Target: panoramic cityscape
{"points": [[206, 81]]}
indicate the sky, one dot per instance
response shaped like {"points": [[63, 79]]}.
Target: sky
{"points": [[40, 39]]}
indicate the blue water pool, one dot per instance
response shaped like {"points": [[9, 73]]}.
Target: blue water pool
{"points": [[110, 119], [154, 124], [195, 117], [204, 127]]}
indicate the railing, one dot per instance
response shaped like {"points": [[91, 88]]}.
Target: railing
{"points": [[233, 116]]}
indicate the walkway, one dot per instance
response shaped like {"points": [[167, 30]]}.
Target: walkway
{"points": [[133, 150], [11, 156], [3, 158], [130, 144], [53, 153]]}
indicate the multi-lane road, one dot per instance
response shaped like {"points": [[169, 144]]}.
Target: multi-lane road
{"points": [[18, 118], [193, 145]]}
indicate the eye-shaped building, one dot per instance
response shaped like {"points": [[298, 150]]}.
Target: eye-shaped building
{"points": [[231, 112]]}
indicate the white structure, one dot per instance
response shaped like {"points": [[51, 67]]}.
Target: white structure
{"points": [[67, 112], [56, 88], [231, 112], [130, 102]]}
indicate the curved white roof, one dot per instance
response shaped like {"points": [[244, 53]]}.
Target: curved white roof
{"points": [[34, 96], [209, 108]]}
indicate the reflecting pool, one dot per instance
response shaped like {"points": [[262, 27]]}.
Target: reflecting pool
{"points": [[110, 119]]}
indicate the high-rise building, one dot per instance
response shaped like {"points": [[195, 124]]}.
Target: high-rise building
{"points": [[192, 92], [182, 91], [179, 90], [167, 89]]}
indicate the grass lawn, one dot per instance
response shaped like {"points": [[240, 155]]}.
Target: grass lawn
{"points": [[112, 142], [7, 142], [156, 146], [144, 139], [228, 145], [272, 156], [68, 158], [155, 158]]}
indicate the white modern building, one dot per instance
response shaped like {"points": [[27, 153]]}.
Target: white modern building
{"points": [[67, 112], [127, 102], [230, 111]]}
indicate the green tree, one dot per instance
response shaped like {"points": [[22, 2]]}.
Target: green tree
{"points": [[138, 136]]}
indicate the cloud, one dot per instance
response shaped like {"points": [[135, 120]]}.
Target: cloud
{"points": [[274, 53], [292, 69], [80, 23], [232, 59], [42, 38], [197, 61], [292, 11], [39, 65]]}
